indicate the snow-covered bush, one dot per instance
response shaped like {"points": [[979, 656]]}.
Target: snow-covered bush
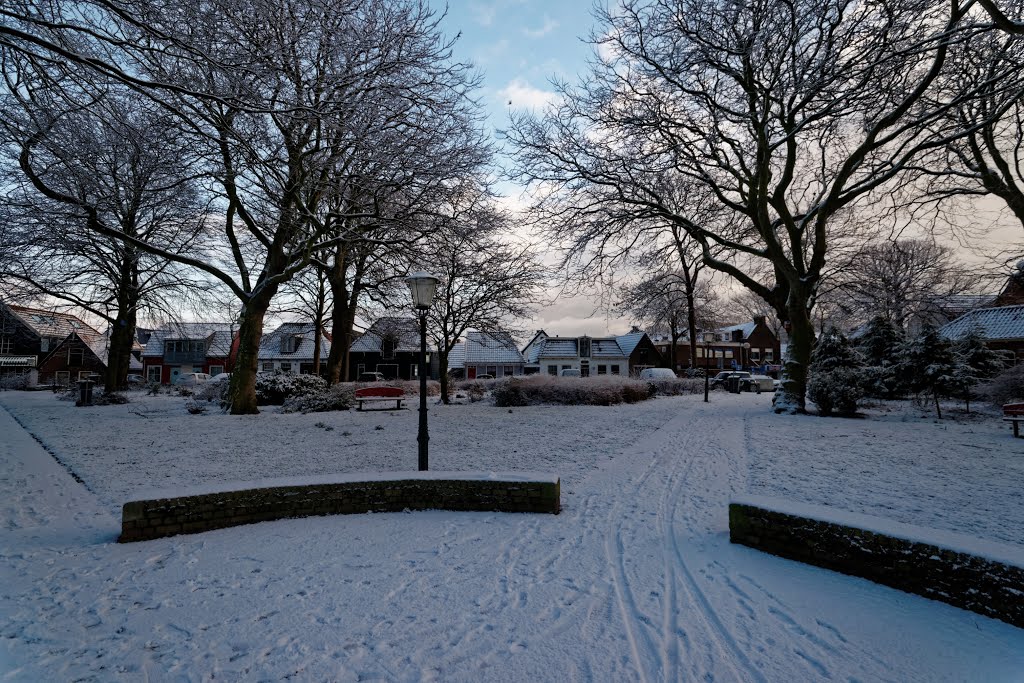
{"points": [[272, 388], [212, 391], [880, 348], [411, 387], [195, 407], [545, 389], [835, 382], [14, 382], [337, 397], [1006, 387]]}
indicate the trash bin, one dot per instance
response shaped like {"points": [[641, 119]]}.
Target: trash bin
{"points": [[732, 385], [85, 392]]}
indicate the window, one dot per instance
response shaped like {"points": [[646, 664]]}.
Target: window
{"points": [[584, 347], [216, 370], [492, 370], [7, 345], [388, 346], [567, 367], [509, 370], [153, 374], [769, 356], [290, 343], [602, 369], [268, 366], [84, 374], [728, 353], [553, 370], [755, 354], [615, 369], [179, 346], [286, 367], [44, 344], [76, 356]]}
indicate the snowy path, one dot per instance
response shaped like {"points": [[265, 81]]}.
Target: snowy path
{"points": [[635, 581]]}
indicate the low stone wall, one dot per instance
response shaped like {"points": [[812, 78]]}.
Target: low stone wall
{"points": [[200, 510], [975, 575]]}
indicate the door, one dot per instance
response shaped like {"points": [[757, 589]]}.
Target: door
{"points": [[175, 375], [471, 372], [584, 369]]}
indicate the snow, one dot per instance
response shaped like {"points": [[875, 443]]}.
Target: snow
{"points": [[157, 494], [961, 543], [634, 581]]}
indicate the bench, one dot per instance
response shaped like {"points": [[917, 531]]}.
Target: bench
{"points": [[1014, 414], [377, 394]]}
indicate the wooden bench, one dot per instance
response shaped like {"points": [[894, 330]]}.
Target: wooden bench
{"points": [[1014, 414], [377, 394]]}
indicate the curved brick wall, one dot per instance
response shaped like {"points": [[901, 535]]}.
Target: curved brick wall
{"points": [[937, 565], [202, 511]]}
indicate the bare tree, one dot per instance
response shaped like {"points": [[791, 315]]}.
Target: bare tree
{"points": [[487, 281], [116, 159], [752, 127], [279, 98]]}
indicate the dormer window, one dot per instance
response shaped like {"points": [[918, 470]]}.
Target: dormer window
{"points": [[290, 343], [584, 347]]}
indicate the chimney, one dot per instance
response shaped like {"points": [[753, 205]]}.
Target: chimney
{"points": [[635, 330], [759, 320]]}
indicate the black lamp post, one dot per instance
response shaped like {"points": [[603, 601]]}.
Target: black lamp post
{"points": [[422, 286]]}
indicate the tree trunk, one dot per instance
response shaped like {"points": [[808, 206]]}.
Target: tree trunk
{"points": [[119, 351], [691, 325], [442, 369], [342, 321], [938, 410], [243, 375], [798, 357]]}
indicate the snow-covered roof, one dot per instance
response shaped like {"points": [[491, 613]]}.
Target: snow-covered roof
{"points": [[1006, 322], [746, 328], [568, 347], [51, 323], [628, 342], [457, 356], [217, 335], [959, 304], [491, 347], [270, 344], [403, 330]]}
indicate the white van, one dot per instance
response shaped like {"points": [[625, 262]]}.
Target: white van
{"points": [[569, 372], [657, 373]]}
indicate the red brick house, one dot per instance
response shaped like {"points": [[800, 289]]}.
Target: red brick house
{"points": [[750, 345], [29, 335], [74, 358], [1002, 328], [180, 348]]}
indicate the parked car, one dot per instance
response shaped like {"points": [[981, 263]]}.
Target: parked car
{"points": [[222, 377], [569, 372], [757, 383], [371, 377], [191, 379], [719, 379], [485, 376], [657, 373], [136, 380]]}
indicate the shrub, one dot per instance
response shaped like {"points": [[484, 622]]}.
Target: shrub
{"points": [[411, 387], [1006, 387], [212, 391], [272, 388], [545, 389], [195, 407], [337, 397], [14, 382]]}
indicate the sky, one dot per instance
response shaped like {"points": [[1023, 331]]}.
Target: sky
{"points": [[519, 46]]}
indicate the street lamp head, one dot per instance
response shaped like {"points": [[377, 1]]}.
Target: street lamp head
{"points": [[422, 286]]}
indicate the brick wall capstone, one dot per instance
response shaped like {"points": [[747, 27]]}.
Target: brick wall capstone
{"points": [[204, 509], [973, 574]]}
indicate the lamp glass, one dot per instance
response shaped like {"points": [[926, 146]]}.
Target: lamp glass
{"points": [[422, 286]]}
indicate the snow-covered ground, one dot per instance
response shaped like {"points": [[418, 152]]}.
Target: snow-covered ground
{"points": [[635, 580]]}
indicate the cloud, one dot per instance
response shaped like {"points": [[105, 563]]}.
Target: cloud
{"points": [[547, 27], [484, 12], [521, 95]]}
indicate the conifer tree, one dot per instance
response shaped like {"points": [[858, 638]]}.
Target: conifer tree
{"points": [[835, 383]]}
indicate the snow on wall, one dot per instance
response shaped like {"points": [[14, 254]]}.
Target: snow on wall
{"points": [[969, 573]]}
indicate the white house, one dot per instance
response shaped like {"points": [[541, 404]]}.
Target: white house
{"points": [[588, 355], [486, 353], [291, 348]]}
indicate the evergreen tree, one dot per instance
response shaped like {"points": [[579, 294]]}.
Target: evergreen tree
{"points": [[835, 381], [880, 345], [929, 366], [975, 362]]}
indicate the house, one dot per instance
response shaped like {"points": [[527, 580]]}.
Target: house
{"points": [[620, 355], [747, 345], [1002, 328], [77, 357], [391, 346], [291, 347], [179, 348], [27, 335], [486, 353]]}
